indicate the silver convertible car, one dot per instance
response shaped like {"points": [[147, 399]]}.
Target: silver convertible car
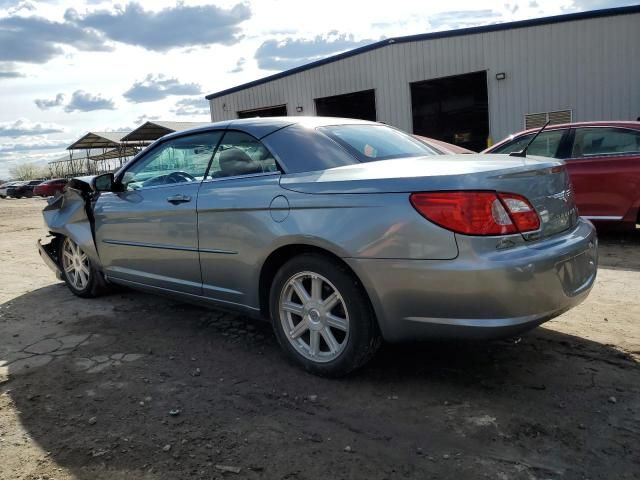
{"points": [[343, 232]]}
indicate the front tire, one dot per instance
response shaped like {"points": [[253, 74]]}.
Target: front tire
{"points": [[322, 317], [79, 273]]}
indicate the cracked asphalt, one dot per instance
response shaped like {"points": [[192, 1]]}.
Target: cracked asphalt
{"points": [[131, 386]]}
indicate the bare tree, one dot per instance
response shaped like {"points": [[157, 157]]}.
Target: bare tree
{"points": [[29, 171]]}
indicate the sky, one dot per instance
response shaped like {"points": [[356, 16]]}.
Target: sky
{"points": [[68, 67]]}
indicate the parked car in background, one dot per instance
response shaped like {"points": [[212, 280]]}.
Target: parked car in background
{"points": [[50, 187], [23, 189], [443, 147], [603, 161], [342, 232], [5, 186], [12, 187]]}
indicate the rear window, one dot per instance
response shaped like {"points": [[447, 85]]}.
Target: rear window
{"points": [[369, 143], [546, 145]]}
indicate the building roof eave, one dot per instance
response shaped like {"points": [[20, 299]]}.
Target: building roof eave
{"points": [[607, 12]]}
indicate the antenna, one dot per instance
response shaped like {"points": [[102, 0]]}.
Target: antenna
{"points": [[523, 153]]}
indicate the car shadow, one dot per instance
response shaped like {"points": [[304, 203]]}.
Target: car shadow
{"points": [[134, 386], [619, 249]]}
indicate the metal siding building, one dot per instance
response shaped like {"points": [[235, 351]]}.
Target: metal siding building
{"points": [[587, 63]]}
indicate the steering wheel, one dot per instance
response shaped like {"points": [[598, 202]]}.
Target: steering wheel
{"points": [[179, 177]]}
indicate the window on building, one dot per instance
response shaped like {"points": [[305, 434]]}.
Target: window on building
{"points": [[277, 111], [360, 105]]}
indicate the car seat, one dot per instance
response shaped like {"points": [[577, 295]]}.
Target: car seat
{"points": [[234, 161]]}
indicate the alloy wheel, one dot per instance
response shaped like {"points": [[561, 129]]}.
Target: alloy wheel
{"points": [[314, 317], [75, 264]]}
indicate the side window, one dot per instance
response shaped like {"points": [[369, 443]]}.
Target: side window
{"points": [[241, 154], [183, 159], [591, 142], [546, 145]]}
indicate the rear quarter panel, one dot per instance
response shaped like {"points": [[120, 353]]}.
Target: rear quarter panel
{"points": [[240, 227]]}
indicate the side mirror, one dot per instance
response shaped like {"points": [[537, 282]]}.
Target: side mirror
{"points": [[103, 183]]}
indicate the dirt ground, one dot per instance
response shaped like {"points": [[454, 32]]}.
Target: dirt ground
{"points": [[132, 386]]}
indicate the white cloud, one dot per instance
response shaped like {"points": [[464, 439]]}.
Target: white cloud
{"points": [[38, 149], [171, 27], [22, 128], [157, 87], [45, 103], [192, 107], [37, 40], [82, 101], [291, 52], [33, 145]]}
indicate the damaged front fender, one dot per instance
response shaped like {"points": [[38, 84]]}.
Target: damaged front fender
{"points": [[71, 215]]}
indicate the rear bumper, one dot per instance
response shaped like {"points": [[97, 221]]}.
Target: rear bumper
{"points": [[481, 294], [48, 253]]}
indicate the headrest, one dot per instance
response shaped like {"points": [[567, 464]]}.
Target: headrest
{"points": [[234, 161]]}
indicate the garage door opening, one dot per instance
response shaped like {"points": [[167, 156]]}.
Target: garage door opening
{"points": [[277, 111], [454, 109], [360, 105]]}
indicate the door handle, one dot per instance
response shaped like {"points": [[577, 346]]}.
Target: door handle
{"points": [[179, 198]]}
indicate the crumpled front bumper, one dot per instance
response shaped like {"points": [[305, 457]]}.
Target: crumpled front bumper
{"points": [[47, 248]]}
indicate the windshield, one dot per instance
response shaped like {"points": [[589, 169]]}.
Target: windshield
{"points": [[376, 142]]}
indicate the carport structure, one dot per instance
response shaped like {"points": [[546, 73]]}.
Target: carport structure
{"points": [[149, 132], [62, 167], [104, 152], [85, 162], [99, 152]]}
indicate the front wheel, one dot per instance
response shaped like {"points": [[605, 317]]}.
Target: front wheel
{"points": [[79, 273], [321, 316]]}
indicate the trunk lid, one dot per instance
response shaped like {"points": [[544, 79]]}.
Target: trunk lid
{"points": [[543, 181]]}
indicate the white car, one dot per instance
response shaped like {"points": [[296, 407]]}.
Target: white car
{"points": [[3, 188]]}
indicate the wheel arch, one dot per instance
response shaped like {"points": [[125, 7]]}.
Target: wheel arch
{"points": [[632, 216], [281, 255]]}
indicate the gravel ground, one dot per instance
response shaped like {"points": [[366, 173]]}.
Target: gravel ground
{"points": [[131, 386]]}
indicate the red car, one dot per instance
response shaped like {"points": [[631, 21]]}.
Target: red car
{"points": [[50, 187], [443, 147], [603, 160]]}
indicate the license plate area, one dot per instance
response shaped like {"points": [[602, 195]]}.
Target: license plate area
{"points": [[577, 273]]}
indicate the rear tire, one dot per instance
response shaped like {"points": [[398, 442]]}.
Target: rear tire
{"points": [[322, 317], [78, 271]]}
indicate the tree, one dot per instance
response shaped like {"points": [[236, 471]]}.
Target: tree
{"points": [[29, 171]]}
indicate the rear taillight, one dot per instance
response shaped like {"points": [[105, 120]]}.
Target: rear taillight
{"points": [[521, 211], [477, 213]]}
